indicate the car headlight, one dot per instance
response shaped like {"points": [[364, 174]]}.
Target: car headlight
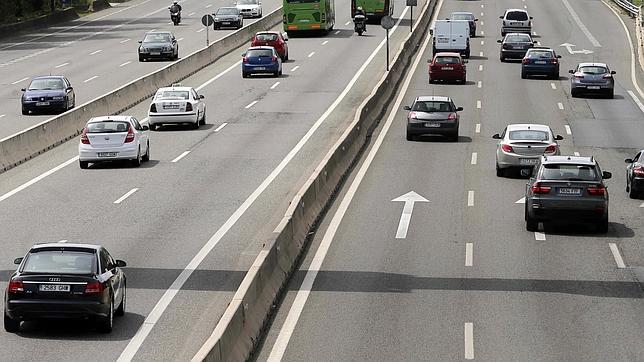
{"points": [[58, 98], [216, 19], [28, 99]]}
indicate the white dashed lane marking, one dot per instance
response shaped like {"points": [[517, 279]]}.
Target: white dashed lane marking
{"points": [[184, 154], [128, 194], [480, 67], [311, 54], [470, 198], [568, 130], [576, 153], [479, 84], [96, 52], [474, 158], [295, 68], [469, 340], [124, 41], [124, 64], [553, 86], [478, 128], [325, 42], [478, 104], [90, 79], [62, 65], [200, 30], [539, 236], [616, 255], [469, 254], [251, 104], [560, 105], [221, 127], [21, 80], [275, 85]]}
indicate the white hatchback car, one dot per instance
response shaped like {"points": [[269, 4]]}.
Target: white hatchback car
{"points": [[177, 105], [249, 8], [112, 138], [522, 145]]}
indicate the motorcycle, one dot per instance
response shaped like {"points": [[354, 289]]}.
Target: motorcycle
{"points": [[359, 22], [175, 17]]}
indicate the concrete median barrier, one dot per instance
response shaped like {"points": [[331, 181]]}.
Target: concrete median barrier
{"points": [[37, 139], [239, 329]]}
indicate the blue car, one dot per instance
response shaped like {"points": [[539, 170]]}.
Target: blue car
{"points": [[540, 61], [261, 60], [47, 94]]}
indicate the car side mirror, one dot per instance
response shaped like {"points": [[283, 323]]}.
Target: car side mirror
{"points": [[534, 42], [201, 96], [458, 109], [407, 108], [501, 17], [23, 89], [558, 137], [243, 54], [526, 172], [429, 60], [145, 127], [69, 89], [499, 41], [446, 18], [496, 136], [571, 71], [558, 56], [140, 41], [628, 160], [17, 261], [476, 19], [613, 72], [121, 263], [464, 60], [531, 18], [606, 175]]}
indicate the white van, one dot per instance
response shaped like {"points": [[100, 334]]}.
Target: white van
{"points": [[451, 36]]}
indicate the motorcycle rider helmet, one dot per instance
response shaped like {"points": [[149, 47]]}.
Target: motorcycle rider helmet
{"points": [[359, 8], [175, 2]]}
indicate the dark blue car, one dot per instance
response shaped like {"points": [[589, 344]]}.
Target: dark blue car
{"points": [[47, 94], [540, 61], [261, 60]]}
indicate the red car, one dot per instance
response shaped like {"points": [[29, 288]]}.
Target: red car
{"points": [[273, 39], [447, 66]]}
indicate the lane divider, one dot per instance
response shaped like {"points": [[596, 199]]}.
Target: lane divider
{"points": [[617, 256], [251, 104], [182, 155], [539, 236], [474, 158], [469, 254], [469, 341], [127, 194], [560, 105], [470, 198], [568, 130]]}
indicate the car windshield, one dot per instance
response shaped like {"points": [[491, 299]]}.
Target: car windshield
{"points": [[227, 11], [432, 106], [246, 2], [518, 38], [107, 127], [60, 262], [157, 38], [540, 54], [266, 37], [46, 84], [517, 16], [447, 60], [528, 135], [462, 17], [569, 172], [173, 94], [254, 53], [593, 70]]}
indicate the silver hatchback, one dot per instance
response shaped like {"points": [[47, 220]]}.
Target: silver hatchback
{"points": [[592, 78], [521, 146]]}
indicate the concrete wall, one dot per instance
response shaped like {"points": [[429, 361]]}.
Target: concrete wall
{"points": [[26, 144], [240, 327]]}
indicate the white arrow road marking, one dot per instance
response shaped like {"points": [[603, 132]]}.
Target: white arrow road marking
{"points": [[581, 25], [469, 341], [616, 255], [409, 199], [520, 201], [569, 48], [469, 254]]}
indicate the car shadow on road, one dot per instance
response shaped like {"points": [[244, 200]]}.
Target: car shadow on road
{"points": [[122, 164], [478, 57], [81, 330], [182, 128], [442, 139], [615, 230]]}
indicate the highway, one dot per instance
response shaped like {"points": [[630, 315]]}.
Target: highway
{"points": [[467, 281], [210, 196], [98, 53]]}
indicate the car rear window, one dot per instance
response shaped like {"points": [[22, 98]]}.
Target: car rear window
{"points": [[528, 135], [259, 53], [107, 127], [46, 84], [593, 70], [432, 106], [173, 94], [569, 172], [157, 38], [266, 37], [63, 262], [517, 16], [540, 54], [448, 60], [518, 38]]}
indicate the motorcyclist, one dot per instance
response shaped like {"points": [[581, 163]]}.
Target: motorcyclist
{"points": [[360, 11], [176, 8]]}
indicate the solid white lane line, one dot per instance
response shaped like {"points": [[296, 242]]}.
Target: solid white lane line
{"points": [[480, 67], [478, 128], [576, 153], [616, 255], [37, 178], [90, 79], [295, 68], [469, 341], [520, 201], [478, 104], [470, 198], [178, 158], [337, 32], [96, 52], [469, 254], [279, 347], [581, 25], [539, 236], [553, 86], [200, 30], [251, 104], [480, 54], [221, 127], [275, 85], [209, 5], [325, 42], [479, 84], [124, 64], [568, 130], [475, 157], [192, 13], [21, 80], [311, 54], [125, 41], [636, 100], [481, 13], [128, 194], [560, 105], [347, 23], [62, 65]]}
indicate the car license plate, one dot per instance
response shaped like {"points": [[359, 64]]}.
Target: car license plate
{"points": [[260, 68], [171, 106], [528, 161], [593, 87], [432, 125], [42, 103], [225, 22], [155, 53], [108, 154], [443, 40], [447, 68], [569, 191], [54, 287], [540, 62]]}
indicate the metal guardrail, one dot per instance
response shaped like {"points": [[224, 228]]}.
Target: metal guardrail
{"points": [[628, 6]]}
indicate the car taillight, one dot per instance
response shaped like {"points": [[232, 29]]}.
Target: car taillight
{"points": [[505, 46], [607, 76], [153, 107], [551, 149], [579, 76], [130, 135], [84, 138], [507, 148], [503, 22], [412, 115], [245, 59], [525, 61], [452, 116], [188, 107], [639, 172], [554, 61], [16, 287], [538, 189], [596, 190], [274, 58], [94, 288]]}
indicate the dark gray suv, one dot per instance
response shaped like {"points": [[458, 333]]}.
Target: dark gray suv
{"points": [[567, 189]]}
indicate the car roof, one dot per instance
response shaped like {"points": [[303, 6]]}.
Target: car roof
{"points": [[540, 48], [433, 98], [50, 77], [571, 160], [462, 13], [159, 32], [521, 10], [92, 247], [523, 126], [260, 47], [268, 32], [448, 54], [227, 7], [593, 65], [109, 118], [181, 88]]}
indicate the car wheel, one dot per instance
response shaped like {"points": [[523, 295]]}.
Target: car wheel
{"points": [[602, 226], [631, 192], [499, 171], [11, 325], [464, 80], [524, 75], [25, 112], [286, 56], [410, 137], [431, 81], [83, 164], [106, 323], [502, 58], [196, 124], [153, 127], [555, 76], [433, 50], [146, 157], [611, 93], [203, 119], [215, 27], [141, 59], [137, 161], [176, 56], [531, 224], [244, 75], [120, 311], [574, 93]]}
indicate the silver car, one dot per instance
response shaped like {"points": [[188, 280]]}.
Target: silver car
{"points": [[592, 78], [177, 105], [521, 146], [433, 115], [249, 8]]}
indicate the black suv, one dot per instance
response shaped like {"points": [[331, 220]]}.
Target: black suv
{"points": [[569, 189]]}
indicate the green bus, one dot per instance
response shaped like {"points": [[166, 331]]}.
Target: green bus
{"points": [[308, 15], [375, 9]]}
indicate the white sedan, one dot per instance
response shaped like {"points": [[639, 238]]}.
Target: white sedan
{"points": [[249, 8], [112, 138], [177, 105]]}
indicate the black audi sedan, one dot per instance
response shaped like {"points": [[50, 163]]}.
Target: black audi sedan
{"points": [[47, 94], [66, 281]]}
